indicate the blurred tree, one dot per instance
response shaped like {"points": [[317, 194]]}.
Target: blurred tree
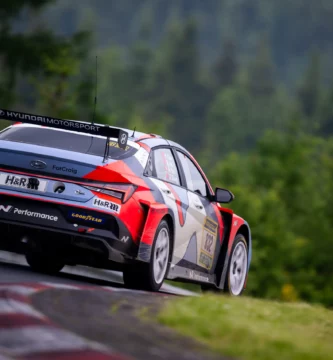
{"points": [[226, 67], [176, 88], [261, 79], [309, 91], [325, 116], [57, 91], [293, 28], [284, 190], [35, 52], [140, 61], [18, 52]]}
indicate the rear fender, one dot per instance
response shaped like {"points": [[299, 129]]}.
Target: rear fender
{"points": [[234, 224], [154, 214]]}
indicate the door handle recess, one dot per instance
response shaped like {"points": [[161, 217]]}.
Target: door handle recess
{"points": [[199, 207], [166, 191]]}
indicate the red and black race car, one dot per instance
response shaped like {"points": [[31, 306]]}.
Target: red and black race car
{"points": [[82, 193]]}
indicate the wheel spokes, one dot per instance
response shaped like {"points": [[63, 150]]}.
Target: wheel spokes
{"points": [[237, 272], [161, 255]]}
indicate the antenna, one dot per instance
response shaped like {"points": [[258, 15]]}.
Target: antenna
{"points": [[95, 102], [134, 131]]}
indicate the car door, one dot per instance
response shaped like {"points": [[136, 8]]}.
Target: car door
{"points": [[165, 175], [206, 222]]}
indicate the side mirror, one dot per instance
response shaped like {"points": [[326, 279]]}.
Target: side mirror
{"points": [[223, 196]]}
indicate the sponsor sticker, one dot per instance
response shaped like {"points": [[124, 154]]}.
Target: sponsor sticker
{"points": [[197, 276], [6, 208], [27, 212], [124, 239], [86, 217], [123, 139], [42, 120], [23, 182], [106, 205], [64, 169], [116, 145], [205, 260], [208, 243]]}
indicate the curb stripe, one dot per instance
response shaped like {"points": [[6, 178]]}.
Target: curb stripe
{"points": [[78, 355], [36, 339], [19, 289], [4, 358], [8, 306], [25, 333], [9, 321], [9, 295], [60, 286]]}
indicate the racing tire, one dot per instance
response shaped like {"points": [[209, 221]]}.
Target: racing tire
{"points": [[44, 263], [150, 276], [237, 267]]}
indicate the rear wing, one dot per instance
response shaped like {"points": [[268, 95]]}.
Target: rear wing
{"points": [[72, 125]]}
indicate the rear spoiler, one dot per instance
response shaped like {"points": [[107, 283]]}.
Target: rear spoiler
{"points": [[72, 125]]}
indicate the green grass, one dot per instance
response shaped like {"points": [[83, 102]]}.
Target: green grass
{"points": [[186, 286], [254, 329]]}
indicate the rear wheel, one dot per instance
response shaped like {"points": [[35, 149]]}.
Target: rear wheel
{"points": [[44, 263], [150, 276]]}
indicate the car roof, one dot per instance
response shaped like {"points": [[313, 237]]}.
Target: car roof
{"points": [[152, 140]]}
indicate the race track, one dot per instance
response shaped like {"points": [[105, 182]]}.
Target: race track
{"points": [[83, 314], [13, 268]]}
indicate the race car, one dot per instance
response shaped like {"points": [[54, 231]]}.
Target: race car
{"points": [[79, 193]]}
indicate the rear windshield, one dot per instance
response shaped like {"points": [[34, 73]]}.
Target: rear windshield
{"points": [[66, 141]]}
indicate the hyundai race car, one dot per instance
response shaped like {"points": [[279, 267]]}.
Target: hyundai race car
{"points": [[74, 193]]}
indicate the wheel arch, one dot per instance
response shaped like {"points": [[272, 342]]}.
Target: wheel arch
{"points": [[170, 221], [234, 225], [246, 232], [155, 213]]}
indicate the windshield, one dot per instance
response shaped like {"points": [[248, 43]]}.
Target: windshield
{"points": [[66, 141]]}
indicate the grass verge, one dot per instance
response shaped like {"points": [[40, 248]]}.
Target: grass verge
{"points": [[253, 329]]}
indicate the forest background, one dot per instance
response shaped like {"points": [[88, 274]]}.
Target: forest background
{"points": [[245, 85]]}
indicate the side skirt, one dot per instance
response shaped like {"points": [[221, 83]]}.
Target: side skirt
{"points": [[188, 275]]}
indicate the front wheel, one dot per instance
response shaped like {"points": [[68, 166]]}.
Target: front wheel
{"points": [[237, 267], [150, 276]]}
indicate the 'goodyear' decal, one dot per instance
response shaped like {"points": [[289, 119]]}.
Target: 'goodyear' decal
{"points": [[86, 217]]}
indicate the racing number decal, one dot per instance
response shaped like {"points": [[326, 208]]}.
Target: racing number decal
{"points": [[208, 243]]}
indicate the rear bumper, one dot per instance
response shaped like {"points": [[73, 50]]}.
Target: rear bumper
{"points": [[79, 224]]}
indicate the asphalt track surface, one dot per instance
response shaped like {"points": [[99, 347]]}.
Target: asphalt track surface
{"points": [[14, 268], [118, 319]]}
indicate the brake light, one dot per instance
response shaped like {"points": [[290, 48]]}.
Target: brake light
{"points": [[122, 192]]}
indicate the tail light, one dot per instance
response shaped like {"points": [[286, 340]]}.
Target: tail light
{"points": [[120, 191]]}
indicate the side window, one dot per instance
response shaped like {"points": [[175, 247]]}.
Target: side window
{"points": [[165, 166], [194, 179]]}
